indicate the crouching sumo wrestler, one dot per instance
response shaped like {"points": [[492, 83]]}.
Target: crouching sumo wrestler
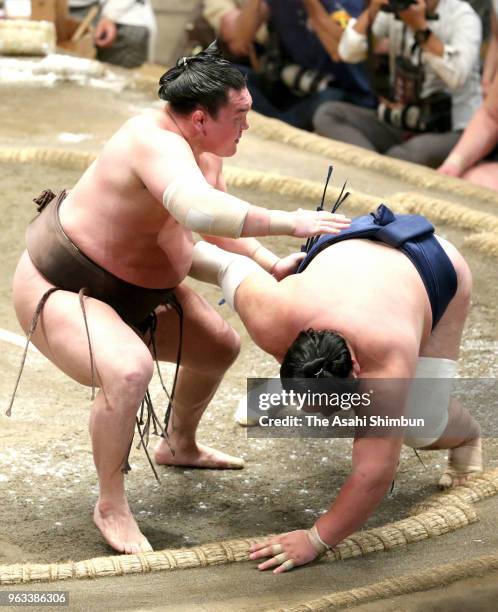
{"points": [[384, 299], [105, 265]]}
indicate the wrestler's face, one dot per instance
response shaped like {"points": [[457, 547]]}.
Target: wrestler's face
{"points": [[223, 133]]}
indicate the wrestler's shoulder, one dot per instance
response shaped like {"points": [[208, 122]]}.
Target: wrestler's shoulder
{"points": [[148, 128], [209, 162]]}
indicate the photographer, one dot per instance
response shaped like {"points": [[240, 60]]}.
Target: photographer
{"points": [[475, 157], [125, 30], [300, 68], [238, 24], [433, 75]]}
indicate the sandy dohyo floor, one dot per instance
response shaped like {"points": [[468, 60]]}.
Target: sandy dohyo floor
{"points": [[47, 479]]}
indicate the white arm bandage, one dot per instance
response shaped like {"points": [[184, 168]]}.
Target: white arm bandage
{"points": [[211, 264], [353, 46], [199, 207], [265, 258]]}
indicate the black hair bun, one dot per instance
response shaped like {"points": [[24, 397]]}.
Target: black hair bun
{"points": [[314, 368]]}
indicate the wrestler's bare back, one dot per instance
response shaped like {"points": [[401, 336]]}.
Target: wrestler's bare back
{"points": [[115, 213], [385, 304]]}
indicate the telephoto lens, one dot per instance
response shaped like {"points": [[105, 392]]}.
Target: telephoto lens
{"points": [[304, 81]]}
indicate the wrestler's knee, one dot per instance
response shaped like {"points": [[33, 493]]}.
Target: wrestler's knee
{"points": [[125, 383], [222, 351]]}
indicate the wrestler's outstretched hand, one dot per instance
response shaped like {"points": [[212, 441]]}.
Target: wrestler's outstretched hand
{"points": [[287, 265], [310, 223], [287, 550]]}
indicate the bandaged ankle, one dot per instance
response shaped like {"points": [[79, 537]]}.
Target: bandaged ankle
{"points": [[466, 458], [318, 544]]}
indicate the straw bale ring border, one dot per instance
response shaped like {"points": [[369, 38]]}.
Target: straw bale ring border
{"points": [[439, 514], [413, 174], [432, 578], [359, 203], [436, 518]]}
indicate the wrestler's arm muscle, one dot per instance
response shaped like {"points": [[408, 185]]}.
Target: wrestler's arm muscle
{"points": [[374, 459], [161, 157], [242, 246], [164, 162]]}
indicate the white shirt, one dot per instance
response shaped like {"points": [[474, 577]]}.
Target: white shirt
{"points": [[456, 72], [128, 12]]}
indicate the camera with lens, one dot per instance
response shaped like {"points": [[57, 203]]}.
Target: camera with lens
{"points": [[396, 6], [430, 114], [304, 81]]}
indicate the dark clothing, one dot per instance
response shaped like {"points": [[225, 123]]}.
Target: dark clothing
{"points": [[292, 42], [277, 101], [414, 236], [289, 19], [362, 127], [64, 265]]}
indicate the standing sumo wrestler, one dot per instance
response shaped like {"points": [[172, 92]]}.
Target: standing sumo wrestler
{"points": [[104, 259]]}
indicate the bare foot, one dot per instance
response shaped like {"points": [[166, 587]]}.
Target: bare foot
{"points": [[119, 528], [462, 462], [200, 456]]}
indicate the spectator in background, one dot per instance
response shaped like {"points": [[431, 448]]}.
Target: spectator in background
{"points": [[125, 30], [475, 157], [238, 24], [434, 78], [491, 63], [300, 68]]}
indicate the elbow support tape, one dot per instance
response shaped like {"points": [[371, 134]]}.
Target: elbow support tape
{"points": [[199, 207], [227, 270]]}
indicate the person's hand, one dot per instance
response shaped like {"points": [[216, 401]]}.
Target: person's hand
{"points": [[311, 223], [105, 33], [449, 169], [452, 165], [287, 550], [415, 16], [287, 265]]}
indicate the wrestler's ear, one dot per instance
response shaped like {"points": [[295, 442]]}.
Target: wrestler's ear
{"points": [[356, 367], [199, 121]]}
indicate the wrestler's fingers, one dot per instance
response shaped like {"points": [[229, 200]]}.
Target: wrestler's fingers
{"points": [[263, 544], [338, 217], [277, 560], [339, 220], [262, 552], [285, 567], [327, 229]]}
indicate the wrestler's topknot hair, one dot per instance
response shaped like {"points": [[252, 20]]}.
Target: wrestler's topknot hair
{"points": [[201, 80], [317, 354]]}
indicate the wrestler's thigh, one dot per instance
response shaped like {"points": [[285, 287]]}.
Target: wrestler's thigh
{"points": [[445, 338], [61, 335], [208, 340]]}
